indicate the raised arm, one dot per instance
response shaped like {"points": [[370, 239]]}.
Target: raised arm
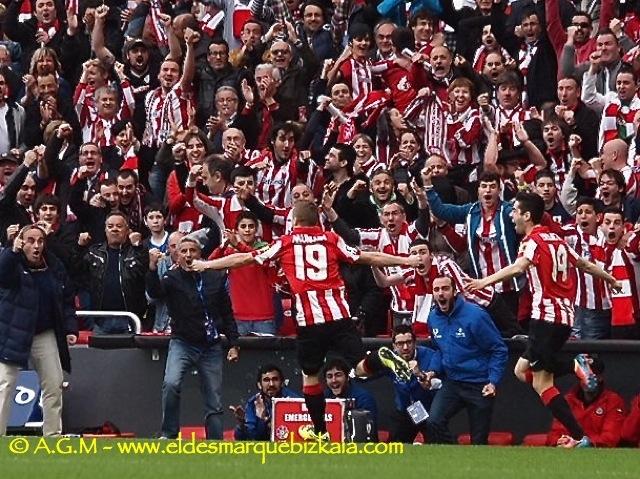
{"points": [[516, 269], [97, 37], [376, 258]]}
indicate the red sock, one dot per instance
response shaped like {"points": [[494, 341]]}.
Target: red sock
{"points": [[313, 390], [548, 395], [528, 376]]}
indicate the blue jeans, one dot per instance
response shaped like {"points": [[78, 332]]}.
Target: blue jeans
{"points": [[262, 327], [457, 395], [592, 323], [181, 359], [158, 181]]}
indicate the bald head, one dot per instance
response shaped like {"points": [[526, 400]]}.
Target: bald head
{"points": [[615, 154]]}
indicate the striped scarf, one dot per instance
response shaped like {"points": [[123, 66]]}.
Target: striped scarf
{"points": [[480, 57], [622, 311], [156, 24], [617, 120], [210, 23]]}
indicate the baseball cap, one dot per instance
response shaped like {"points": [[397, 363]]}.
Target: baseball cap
{"points": [[9, 157], [134, 42]]}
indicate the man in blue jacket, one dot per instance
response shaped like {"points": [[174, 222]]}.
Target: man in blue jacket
{"points": [[254, 420], [470, 358], [417, 389], [37, 322], [491, 235]]}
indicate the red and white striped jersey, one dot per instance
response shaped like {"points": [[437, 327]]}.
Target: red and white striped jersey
{"points": [[96, 128], [379, 239], [421, 287], [275, 180], [551, 276], [592, 292], [223, 210], [625, 302], [164, 112], [491, 257], [464, 134], [504, 124], [310, 260], [559, 162], [358, 75]]}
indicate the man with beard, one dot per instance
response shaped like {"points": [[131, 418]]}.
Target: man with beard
{"points": [[470, 357], [37, 318], [282, 166], [549, 263], [254, 420]]}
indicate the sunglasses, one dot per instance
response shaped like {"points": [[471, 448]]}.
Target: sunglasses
{"points": [[582, 25]]}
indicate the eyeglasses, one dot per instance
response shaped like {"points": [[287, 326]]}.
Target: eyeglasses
{"points": [[218, 54], [227, 100], [581, 25]]}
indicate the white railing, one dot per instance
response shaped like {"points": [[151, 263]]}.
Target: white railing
{"points": [[134, 320]]}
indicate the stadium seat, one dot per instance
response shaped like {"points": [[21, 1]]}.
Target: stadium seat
{"points": [[421, 331], [383, 436], [495, 439], [535, 440], [228, 435]]}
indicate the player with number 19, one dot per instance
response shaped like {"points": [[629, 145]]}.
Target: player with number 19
{"points": [[549, 264], [310, 259]]}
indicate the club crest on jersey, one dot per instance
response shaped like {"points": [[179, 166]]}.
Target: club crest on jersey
{"points": [[460, 333], [436, 333], [281, 433], [599, 412]]}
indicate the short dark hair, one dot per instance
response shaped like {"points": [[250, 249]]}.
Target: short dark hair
{"points": [[509, 77], [118, 213], [488, 177], [154, 207], [544, 174], [46, 199], [608, 31], [246, 215], [267, 368], [224, 167], [106, 182], [627, 69], [574, 79], [614, 210], [347, 153], [219, 41], [126, 174], [420, 242], [243, 172], [420, 15], [359, 30], [336, 363], [402, 329], [531, 203], [589, 200], [402, 38], [306, 214], [286, 127], [617, 176]]}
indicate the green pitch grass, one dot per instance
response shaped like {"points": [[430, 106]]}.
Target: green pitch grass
{"points": [[425, 462]]}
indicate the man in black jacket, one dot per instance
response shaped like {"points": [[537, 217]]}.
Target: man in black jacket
{"points": [[200, 311], [114, 271]]}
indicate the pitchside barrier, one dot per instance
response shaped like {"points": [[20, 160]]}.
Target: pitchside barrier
{"points": [[119, 379]]}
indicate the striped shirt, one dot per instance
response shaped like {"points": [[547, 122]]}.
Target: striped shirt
{"points": [[164, 112], [310, 260]]}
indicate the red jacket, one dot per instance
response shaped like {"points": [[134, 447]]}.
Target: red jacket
{"points": [[631, 427], [601, 420]]}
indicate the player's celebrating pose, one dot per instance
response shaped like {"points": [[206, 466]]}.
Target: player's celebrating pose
{"points": [[310, 259], [548, 262]]}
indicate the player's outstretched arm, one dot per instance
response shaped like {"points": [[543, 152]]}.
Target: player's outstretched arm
{"points": [[228, 262], [517, 268], [376, 258], [597, 272]]}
